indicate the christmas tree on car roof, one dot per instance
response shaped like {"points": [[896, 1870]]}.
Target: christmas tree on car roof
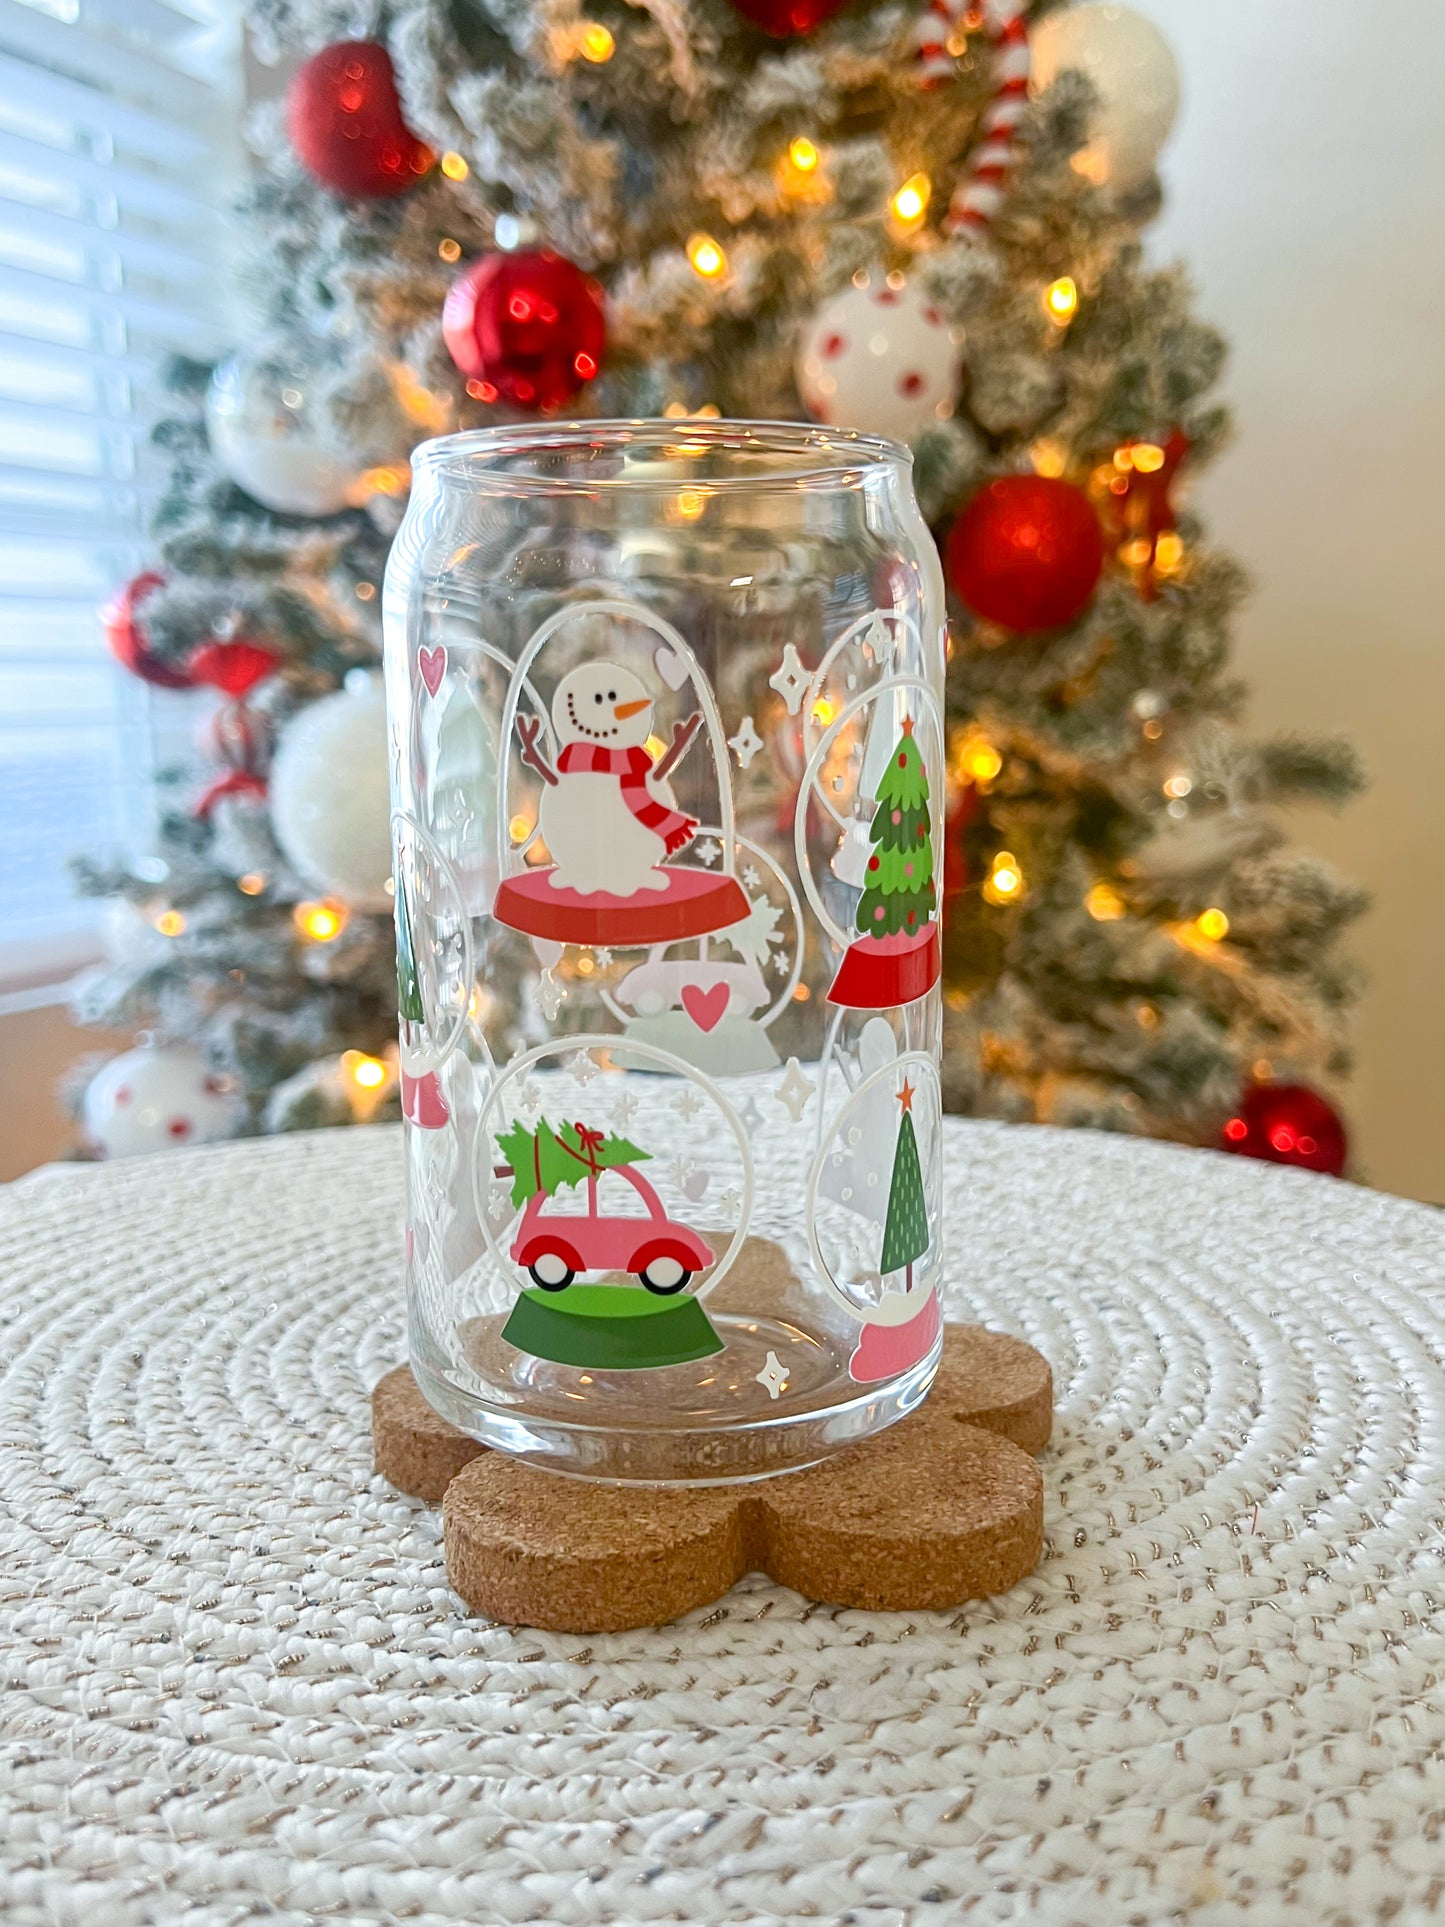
{"points": [[920, 221]]}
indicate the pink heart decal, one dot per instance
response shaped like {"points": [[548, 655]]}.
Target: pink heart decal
{"points": [[705, 1007], [433, 666]]}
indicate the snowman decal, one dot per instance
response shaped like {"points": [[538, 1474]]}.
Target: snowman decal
{"points": [[607, 814], [607, 819]]}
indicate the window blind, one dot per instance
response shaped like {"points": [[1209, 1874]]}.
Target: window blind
{"points": [[115, 130]]}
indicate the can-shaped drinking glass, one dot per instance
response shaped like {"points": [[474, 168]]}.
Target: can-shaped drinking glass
{"points": [[667, 739]]}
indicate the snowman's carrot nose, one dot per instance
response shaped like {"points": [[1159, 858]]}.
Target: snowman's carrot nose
{"points": [[632, 709]]}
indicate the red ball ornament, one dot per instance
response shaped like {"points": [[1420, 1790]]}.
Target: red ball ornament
{"points": [[527, 329], [784, 19], [1287, 1124], [345, 123], [128, 642], [233, 667], [1026, 551]]}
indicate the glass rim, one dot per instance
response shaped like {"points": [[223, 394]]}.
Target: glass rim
{"points": [[815, 456]]}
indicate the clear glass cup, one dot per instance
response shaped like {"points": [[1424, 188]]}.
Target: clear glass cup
{"points": [[667, 737]]}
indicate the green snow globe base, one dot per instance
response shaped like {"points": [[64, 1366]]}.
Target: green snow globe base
{"points": [[610, 1328]]}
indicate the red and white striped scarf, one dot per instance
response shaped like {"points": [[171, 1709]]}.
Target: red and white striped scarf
{"points": [[633, 766]]}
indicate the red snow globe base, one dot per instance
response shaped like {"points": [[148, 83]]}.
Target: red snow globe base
{"points": [[694, 904], [881, 973]]}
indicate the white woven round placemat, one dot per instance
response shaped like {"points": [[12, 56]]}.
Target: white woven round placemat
{"points": [[237, 1687]]}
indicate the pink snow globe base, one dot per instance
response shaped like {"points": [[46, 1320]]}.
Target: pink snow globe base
{"points": [[668, 751]]}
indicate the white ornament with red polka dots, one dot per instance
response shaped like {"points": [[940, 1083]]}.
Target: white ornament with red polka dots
{"points": [[879, 356], [155, 1099]]}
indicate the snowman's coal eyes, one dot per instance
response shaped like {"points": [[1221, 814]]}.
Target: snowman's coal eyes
{"points": [[598, 697], [612, 695]]}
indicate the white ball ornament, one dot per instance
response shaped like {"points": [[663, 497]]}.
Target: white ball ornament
{"points": [[879, 357], [266, 429], [155, 1100], [330, 794], [1128, 63]]}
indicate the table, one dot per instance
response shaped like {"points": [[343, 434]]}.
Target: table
{"points": [[237, 1686]]}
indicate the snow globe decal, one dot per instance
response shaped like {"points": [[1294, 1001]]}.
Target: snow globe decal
{"points": [[606, 815], [667, 748]]}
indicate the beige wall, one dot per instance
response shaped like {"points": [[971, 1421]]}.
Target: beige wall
{"points": [[1306, 187], [35, 1048]]}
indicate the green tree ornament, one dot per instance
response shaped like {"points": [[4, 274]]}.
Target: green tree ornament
{"points": [[905, 1231], [408, 983]]}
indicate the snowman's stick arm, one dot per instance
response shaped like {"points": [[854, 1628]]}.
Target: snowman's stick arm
{"points": [[528, 728], [682, 735]]}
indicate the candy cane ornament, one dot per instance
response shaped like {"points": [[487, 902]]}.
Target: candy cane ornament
{"points": [[980, 193]]}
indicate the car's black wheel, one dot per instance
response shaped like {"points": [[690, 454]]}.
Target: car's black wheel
{"points": [[551, 1271], [665, 1276]]}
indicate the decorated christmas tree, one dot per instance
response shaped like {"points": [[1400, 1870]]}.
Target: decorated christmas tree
{"points": [[543, 1160], [921, 221], [898, 893], [895, 961]]}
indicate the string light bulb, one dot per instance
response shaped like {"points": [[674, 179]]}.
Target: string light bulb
{"points": [[803, 155], [706, 257], [454, 167], [1050, 458], [690, 503], [1212, 924], [1061, 300], [910, 203], [520, 828], [320, 919], [595, 42], [251, 884], [389, 479], [976, 760], [365, 1079], [1005, 880], [170, 923], [1104, 904]]}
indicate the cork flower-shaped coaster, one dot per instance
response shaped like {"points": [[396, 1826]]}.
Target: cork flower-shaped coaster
{"points": [[946, 1505]]}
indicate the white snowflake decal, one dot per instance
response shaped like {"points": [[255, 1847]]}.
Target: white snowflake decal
{"points": [[731, 1200], [627, 1109], [689, 1103], [527, 1098], [790, 679], [794, 1091], [751, 879], [773, 1376], [746, 744], [709, 850], [550, 992], [582, 1066], [877, 640]]}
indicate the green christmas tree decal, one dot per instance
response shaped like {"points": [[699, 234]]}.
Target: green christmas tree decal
{"points": [[544, 1160], [898, 890], [905, 1232], [408, 983]]}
